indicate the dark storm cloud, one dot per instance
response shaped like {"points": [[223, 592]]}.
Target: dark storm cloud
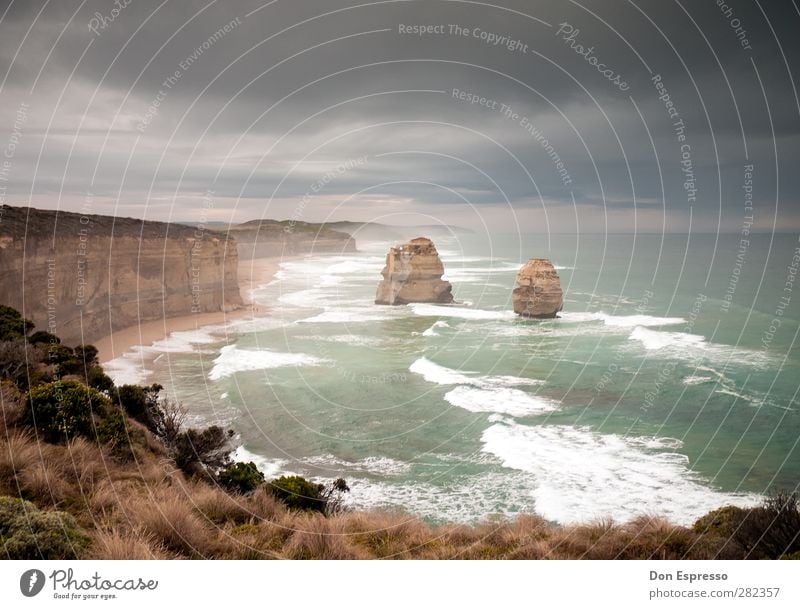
{"points": [[259, 107]]}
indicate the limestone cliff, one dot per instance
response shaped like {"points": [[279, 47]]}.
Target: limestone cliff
{"points": [[538, 290], [413, 273], [268, 238], [83, 276]]}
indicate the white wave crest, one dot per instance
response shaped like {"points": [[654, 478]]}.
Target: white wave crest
{"points": [[441, 375], [620, 321], [430, 310], [582, 475], [432, 330], [232, 359], [504, 400], [653, 340]]}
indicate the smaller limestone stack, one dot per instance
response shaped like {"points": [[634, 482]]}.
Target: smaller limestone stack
{"points": [[538, 290], [413, 273]]}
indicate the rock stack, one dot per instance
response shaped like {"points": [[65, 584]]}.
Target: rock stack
{"points": [[538, 290], [413, 273]]}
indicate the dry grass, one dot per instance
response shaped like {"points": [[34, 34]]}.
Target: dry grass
{"points": [[145, 509], [319, 538], [125, 544], [217, 506], [171, 520]]}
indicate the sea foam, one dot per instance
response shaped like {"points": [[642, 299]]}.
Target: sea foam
{"points": [[620, 321], [232, 359], [505, 400], [653, 340], [581, 475], [441, 375], [429, 310], [432, 330]]}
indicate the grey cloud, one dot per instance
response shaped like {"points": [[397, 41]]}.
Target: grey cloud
{"points": [[213, 129]]}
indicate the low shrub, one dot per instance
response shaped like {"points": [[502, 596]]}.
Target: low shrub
{"points": [[113, 431], [12, 325], [43, 337], [141, 404], [202, 452], [97, 379], [19, 364], [298, 493], [771, 530], [62, 410], [28, 533], [241, 477]]}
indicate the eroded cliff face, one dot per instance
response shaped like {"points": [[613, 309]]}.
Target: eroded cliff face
{"points": [[84, 276], [413, 273], [538, 290], [269, 238]]}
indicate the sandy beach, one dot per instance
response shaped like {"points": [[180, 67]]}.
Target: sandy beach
{"points": [[252, 273]]}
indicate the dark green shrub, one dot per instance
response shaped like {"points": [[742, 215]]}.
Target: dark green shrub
{"points": [[19, 363], [298, 493], [12, 325], [86, 355], [62, 410], [58, 354], [99, 380], [114, 432], [334, 494], [27, 533], [43, 337], [62, 358], [771, 530], [241, 477], [202, 452], [141, 404]]}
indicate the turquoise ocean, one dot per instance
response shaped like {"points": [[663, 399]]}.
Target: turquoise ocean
{"points": [[669, 384]]}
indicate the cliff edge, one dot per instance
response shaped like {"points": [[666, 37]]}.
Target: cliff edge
{"points": [[272, 238], [84, 276]]}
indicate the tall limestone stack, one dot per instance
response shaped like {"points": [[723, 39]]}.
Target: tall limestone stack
{"points": [[413, 273], [538, 290]]}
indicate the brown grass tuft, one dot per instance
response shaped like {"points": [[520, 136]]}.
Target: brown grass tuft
{"points": [[217, 506], [319, 538], [171, 520], [122, 544], [43, 484]]}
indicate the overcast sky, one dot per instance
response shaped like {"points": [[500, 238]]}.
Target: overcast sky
{"points": [[335, 109]]}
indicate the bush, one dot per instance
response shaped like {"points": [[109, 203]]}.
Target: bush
{"points": [[334, 494], [12, 325], [26, 533], [62, 410], [113, 431], [141, 404], [241, 477], [42, 337], [58, 354], [19, 363], [86, 355], [771, 530], [298, 493], [203, 452], [99, 380]]}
